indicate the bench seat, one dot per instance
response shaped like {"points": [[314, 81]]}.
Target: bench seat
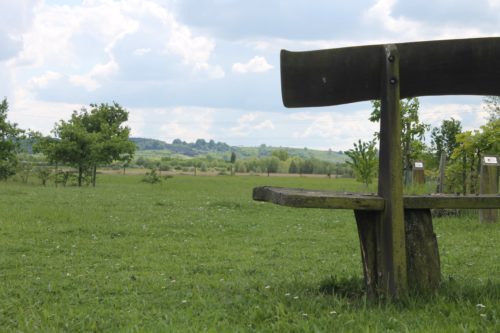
{"points": [[302, 198]]}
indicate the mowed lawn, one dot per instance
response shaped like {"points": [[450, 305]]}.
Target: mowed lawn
{"points": [[196, 254]]}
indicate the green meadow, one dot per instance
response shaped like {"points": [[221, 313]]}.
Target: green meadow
{"points": [[196, 254]]}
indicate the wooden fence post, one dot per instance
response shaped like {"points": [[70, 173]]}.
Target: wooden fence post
{"points": [[418, 173], [489, 185]]}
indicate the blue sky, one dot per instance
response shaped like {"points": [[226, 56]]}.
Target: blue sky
{"points": [[193, 69]]}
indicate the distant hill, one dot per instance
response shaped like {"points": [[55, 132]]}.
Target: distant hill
{"points": [[156, 148]]}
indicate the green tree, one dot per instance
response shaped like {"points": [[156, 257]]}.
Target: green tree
{"points": [[492, 106], [444, 138], [88, 139], [295, 165], [363, 161], [271, 164], [465, 161], [281, 154], [111, 139], [413, 131], [9, 143], [232, 160]]}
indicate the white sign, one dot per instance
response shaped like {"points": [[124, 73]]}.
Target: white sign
{"points": [[490, 160], [419, 164]]}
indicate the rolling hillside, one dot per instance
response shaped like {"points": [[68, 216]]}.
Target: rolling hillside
{"points": [[155, 148]]}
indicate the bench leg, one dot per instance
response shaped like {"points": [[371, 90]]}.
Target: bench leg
{"points": [[422, 255], [424, 268], [367, 232]]}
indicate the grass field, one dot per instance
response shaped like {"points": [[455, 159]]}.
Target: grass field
{"points": [[197, 254]]}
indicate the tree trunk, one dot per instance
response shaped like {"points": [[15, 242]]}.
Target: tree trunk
{"points": [[80, 175], [94, 175]]}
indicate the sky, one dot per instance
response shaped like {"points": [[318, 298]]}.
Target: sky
{"points": [[206, 69]]}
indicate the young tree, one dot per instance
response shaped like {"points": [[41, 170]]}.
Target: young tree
{"points": [[412, 135], [90, 138], [9, 143], [111, 139], [463, 172], [364, 161]]}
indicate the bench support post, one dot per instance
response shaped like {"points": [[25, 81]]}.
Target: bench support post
{"points": [[422, 254], [391, 252]]}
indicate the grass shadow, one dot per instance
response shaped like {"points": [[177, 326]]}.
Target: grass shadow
{"points": [[351, 287]]}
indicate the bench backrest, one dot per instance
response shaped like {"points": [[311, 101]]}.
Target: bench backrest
{"points": [[353, 74]]}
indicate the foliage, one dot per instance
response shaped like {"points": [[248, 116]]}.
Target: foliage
{"points": [[200, 147], [364, 161], [24, 167], [492, 106], [219, 150], [281, 154], [463, 172], [43, 173], [152, 177], [412, 135], [271, 164], [88, 139], [444, 138], [9, 143]]}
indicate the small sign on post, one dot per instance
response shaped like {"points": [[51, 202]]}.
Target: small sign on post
{"points": [[489, 185], [418, 173]]}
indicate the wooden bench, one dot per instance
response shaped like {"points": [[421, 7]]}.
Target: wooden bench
{"points": [[399, 249]]}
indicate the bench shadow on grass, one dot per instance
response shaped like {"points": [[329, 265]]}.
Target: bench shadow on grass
{"points": [[450, 290]]}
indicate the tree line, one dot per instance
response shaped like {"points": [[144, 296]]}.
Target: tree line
{"points": [[97, 137], [462, 150], [90, 138]]}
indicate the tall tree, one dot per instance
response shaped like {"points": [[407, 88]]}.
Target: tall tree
{"points": [[492, 106], [364, 161], [9, 143], [444, 138], [281, 154], [233, 160], [413, 131]]}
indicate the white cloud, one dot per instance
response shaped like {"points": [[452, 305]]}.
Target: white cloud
{"points": [[80, 40], [250, 123], [43, 80], [405, 29], [381, 13], [142, 51], [41, 116], [187, 123], [257, 64], [472, 115], [335, 129], [91, 80]]}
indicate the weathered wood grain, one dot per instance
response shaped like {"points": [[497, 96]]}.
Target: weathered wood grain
{"points": [[353, 74], [303, 198]]}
